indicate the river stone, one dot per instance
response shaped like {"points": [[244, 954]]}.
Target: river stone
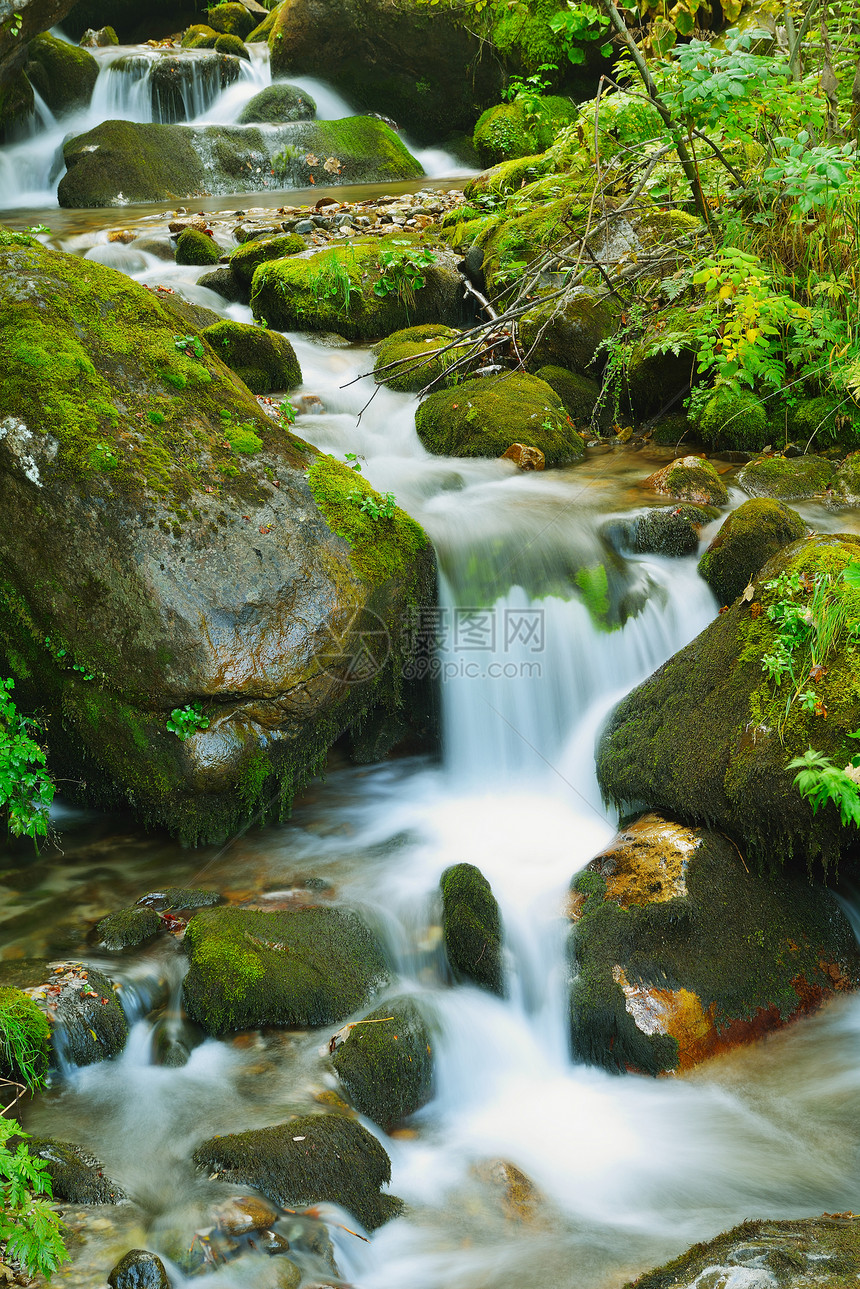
{"points": [[37, 16], [308, 292], [787, 478], [794, 1254], [128, 927], [579, 394], [156, 554], [300, 967], [255, 250], [422, 67], [177, 81], [139, 1269], [706, 739], [245, 1213], [312, 1159], [568, 333], [76, 1176], [179, 898], [226, 283], [100, 39], [276, 104], [689, 479], [671, 530], [231, 19], [385, 1063], [88, 1023], [748, 538], [410, 359], [193, 246], [472, 928], [485, 415], [63, 75], [264, 360], [680, 953], [119, 162]]}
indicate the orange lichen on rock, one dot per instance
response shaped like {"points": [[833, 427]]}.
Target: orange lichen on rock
{"points": [[647, 862]]}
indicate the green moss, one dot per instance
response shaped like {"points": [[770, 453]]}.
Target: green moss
{"points": [[736, 421], [196, 247], [692, 479], [567, 334], [385, 1063], [593, 582], [264, 360], [823, 421], [232, 46], [380, 549], [504, 133], [624, 121], [414, 353], [25, 1038], [245, 259], [232, 20], [508, 176], [141, 162], [787, 478], [311, 1159], [276, 104], [484, 417], [749, 537], [128, 927], [264, 30], [63, 74], [76, 1177], [16, 100], [472, 928], [311, 966], [579, 394], [199, 36]]}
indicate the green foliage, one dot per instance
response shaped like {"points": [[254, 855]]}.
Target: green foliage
{"points": [[191, 346], [24, 238], [821, 782], [187, 720], [29, 1227], [25, 1038], [26, 791], [330, 282], [579, 24], [402, 273]]}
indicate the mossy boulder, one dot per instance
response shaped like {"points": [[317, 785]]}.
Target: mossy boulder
{"points": [[788, 478], [822, 1251], [263, 31], [31, 19], [199, 36], [472, 928], [567, 333], [689, 479], [312, 1159], [196, 247], [749, 537], [179, 898], [245, 260], [311, 966], [664, 530], [25, 1038], [579, 394], [128, 459], [232, 20], [505, 131], [128, 927], [624, 120], [232, 47], [264, 360], [423, 68], [385, 1063], [411, 359], [335, 289], [64, 75], [87, 1021], [846, 484], [76, 1176], [708, 737], [823, 421], [484, 416], [16, 100], [177, 82], [680, 953], [224, 282], [277, 104], [735, 420]]}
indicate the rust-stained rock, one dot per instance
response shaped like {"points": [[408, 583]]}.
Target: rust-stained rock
{"points": [[525, 457], [689, 479], [520, 1198]]}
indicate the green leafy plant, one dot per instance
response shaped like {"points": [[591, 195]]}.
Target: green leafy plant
{"points": [[330, 283], [16, 22], [25, 237], [191, 346], [367, 502], [526, 92], [821, 781], [26, 791], [287, 413], [187, 720], [402, 274], [580, 24], [30, 1229]]}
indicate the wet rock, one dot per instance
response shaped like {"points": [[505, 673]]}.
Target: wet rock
{"points": [[232, 20], [36, 16], [180, 897], [672, 531], [309, 405], [264, 360], [797, 479], [128, 927], [64, 76], [680, 953], [246, 1213], [139, 1269], [309, 1160], [161, 247], [226, 283], [309, 966], [385, 1063], [413, 358], [289, 1275], [104, 37], [521, 1199], [708, 738], [195, 247], [277, 104], [749, 537], [579, 394], [178, 83], [232, 47], [736, 421], [472, 928], [256, 250], [505, 131], [689, 479], [76, 1176], [567, 336], [846, 485], [483, 415], [763, 1255], [524, 457], [88, 1023]]}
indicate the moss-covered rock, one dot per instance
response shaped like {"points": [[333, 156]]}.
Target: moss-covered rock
{"points": [[484, 416], [669, 530], [386, 1063], [64, 75], [311, 966], [568, 333], [245, 260], [736, 421], [265, 28], [624, 120], [76, 1176], [472, 928], [128, 927], [335, 289], [846, 484], [199, 36], [312, 1159], [749, 537], [689, 479], [264, 360], [177, 83], [823, 1251], [680, 953], [224, 282], [25, 1038], [579, 394], [101, 39], [824, 421], [87, 1021], [505, 132], [709, 736], [232, 47], [193, 246], [179, 898], [788, 478], [109, 414], [277, 104], [16, 100], [232, 20], [411, 359]]}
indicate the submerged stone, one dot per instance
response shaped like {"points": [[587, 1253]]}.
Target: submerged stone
{"points": [[76, 1176], [139, 1269], [128, 927], [87, 1021]]}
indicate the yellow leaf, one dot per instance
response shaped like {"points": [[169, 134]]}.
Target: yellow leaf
{"points": [[752, 335], [726, 291]]}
